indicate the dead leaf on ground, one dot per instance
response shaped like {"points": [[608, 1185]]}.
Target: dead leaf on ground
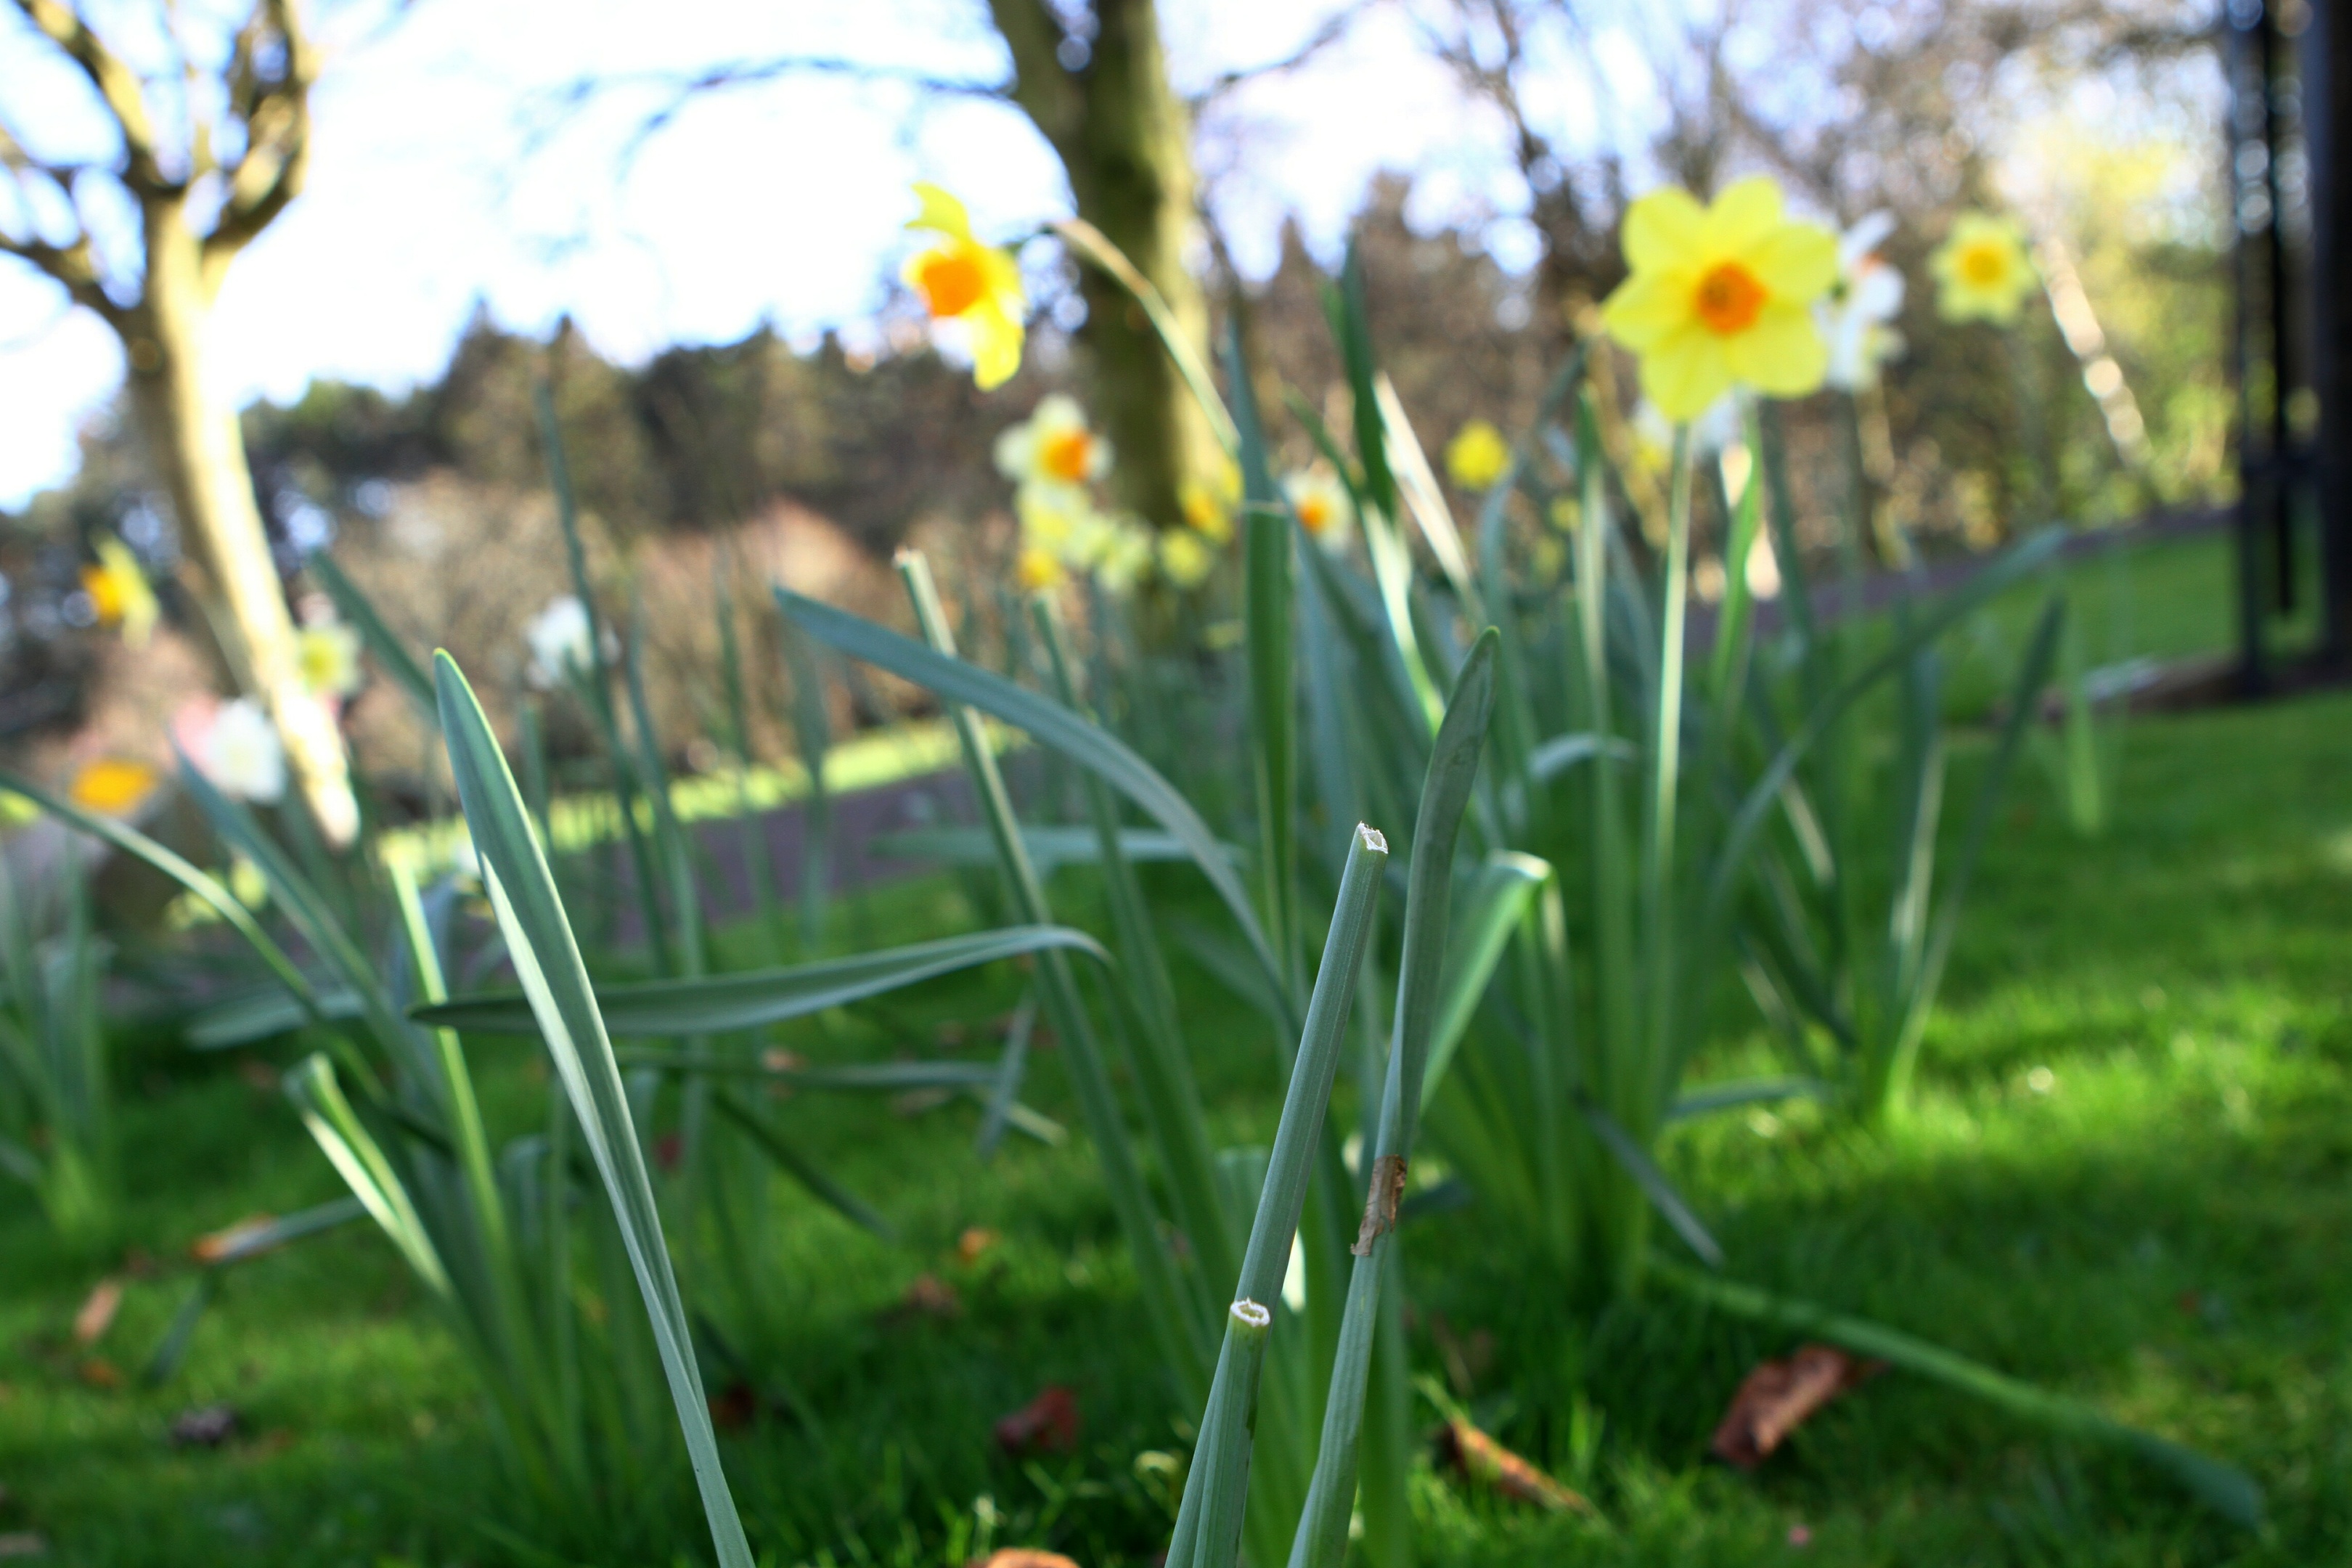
{"points": [[1047, 1425], [205, 1426], [99, 1373], [974, 1243], [98, 1309], [1775, 1399], [23, 1544], [1479, 1458], [1023, 1557]]}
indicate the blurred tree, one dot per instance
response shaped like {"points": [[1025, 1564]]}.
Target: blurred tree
{"points": [[212, 140]]}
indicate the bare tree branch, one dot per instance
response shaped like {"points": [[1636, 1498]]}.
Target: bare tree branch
{"points": [[117, 86], [276, 108], [1334, 29]]}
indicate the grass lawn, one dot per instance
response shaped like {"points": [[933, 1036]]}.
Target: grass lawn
{"points": [[2129, 1179]]}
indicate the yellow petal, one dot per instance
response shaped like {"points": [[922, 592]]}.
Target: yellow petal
{"points": [[1783, 355], [1686, 372], [1663, 229], [996, 344], [1797, 262], [941, 212], [1742, 215], [1647, 306]]}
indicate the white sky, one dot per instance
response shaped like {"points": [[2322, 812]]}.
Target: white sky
{"points": [[781, 203]]}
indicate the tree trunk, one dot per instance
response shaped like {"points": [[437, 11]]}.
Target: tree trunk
{"points": [[203, 455], [1125, 142]]}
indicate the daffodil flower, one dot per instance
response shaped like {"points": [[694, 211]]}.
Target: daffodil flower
{"points": [[1208, 504], [119, 593], [558, 640], [112, 786], [960, 280], [1185, 558], [1126, 556], [1476, 456], [1053, 447], [329, 654], [1982, 273], [237, 748], [1865, 298], [1721, 295], [1038, 569], [1320, 503]]}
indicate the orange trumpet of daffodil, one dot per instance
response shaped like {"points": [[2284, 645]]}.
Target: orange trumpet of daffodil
{"points": [[1721, 295], [960, 280]]}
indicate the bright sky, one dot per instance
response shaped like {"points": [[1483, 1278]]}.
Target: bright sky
{"points": [[781, 203]]}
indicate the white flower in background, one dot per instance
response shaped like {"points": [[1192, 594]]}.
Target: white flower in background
{"points": [[1321, 505], [1653, 434], [1866, 296], [328, 652], [239, 751], [1054, 447], [558, 640]]}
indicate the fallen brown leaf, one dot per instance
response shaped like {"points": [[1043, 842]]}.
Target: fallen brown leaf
{"points": [[1023, 1557], [1775, 1399], [1480, 1460], [1047, 1425], [974, 1243], [98, 1309], [99, 1373]]}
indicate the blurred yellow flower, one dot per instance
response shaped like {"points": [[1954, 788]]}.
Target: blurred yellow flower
{"points": [[1209, 503], [1476, 456], [1185, 557], [1982, 273], [1125, 557], [1721, 295], [1037, 569], [112, 786], [1321, 505], [118, 594], [328, 652], [1053, 447], [961, 280]]}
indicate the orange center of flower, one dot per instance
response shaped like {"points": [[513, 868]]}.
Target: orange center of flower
{"points": [[1728, 299], [113, 787], [1065, 455], [951, 281], [106, 596], [1983, 264], [1314, 513]]}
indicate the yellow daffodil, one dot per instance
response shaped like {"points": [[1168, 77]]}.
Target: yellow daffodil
{"points": [[1476, 456], [1185, 557], [1053, 447], [960, 280], [1321, 504], [1209, 503], [1038, 569], [1720, 295], [1982, 273], [328, 652], [118, 594], [113, 786]]}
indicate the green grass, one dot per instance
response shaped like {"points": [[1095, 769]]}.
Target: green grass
{"points": [[2129, 1178]]}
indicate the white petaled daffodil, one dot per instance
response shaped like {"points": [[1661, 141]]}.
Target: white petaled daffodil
{"points": [[1126, 556], [1054, 447], [558, 640], [240, 753], [1867, 295], [1322, 505]]}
